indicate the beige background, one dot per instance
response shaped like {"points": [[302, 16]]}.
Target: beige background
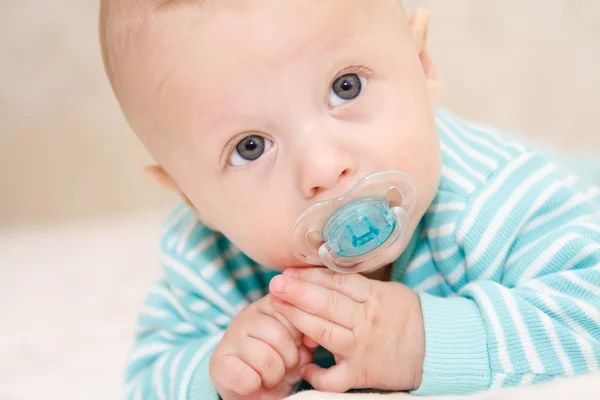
{"points": [[66, 152]]}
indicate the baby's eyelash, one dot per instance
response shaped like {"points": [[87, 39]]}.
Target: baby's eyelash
{"points": [[228, 152], [355, 69]]}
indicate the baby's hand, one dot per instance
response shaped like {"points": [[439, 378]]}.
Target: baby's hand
{"points": [[260, 355], [374, 329]]}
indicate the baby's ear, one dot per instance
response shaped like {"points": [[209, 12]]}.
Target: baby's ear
{"points": [[160, 176], [419, 26]]}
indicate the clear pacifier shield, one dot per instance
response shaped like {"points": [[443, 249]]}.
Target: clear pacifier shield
{"points": [[363, 229]]}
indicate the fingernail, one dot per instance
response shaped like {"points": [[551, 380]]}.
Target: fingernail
{"points": [[280, 305], [281, 284], [292, 273]]}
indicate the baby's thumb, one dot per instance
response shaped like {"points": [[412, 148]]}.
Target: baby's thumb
{"points": [[336, 379]]}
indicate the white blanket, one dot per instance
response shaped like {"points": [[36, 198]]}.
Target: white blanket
{"points": [[69, 297]]}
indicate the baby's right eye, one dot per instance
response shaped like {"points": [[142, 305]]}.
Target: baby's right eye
{"points": [[249, 149]]}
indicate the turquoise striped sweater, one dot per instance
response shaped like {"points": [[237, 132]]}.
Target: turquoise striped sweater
{"points": [[506, 262]]}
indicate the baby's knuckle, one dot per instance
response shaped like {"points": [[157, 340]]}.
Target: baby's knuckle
{"points": [[266, 362], [337, 281], [244, 383], [332, 302], [280, 335], [326, 333]]}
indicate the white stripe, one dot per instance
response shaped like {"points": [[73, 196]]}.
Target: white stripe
{"points": [[429, 283], [226, 287], [185, 234], [492, 190], [516, 256], [440, 207], [176, 218], [458, 179], [544, 258], [594, 290], [419, 261], [500, 216], [210, 269], [571, 179], [138, 394], [591, 226], [155, 312], [149, 350], [573, 202], [171, 300], [242, 273], [523, 333], [198, 306], [452, 154], [493, 134], [498, 381], [492, 316], [193, 365], [209, 293], [527, 379], [173, 372], [253, 296], [443, 255], [587, 251], [200, 247], [183, 328], [157, 378], [589, 355], [478, 139], [443, 230], [231, 253], [470, 151], [171, 242], [556, 343], [166, 335], [541, 290], [223, 320], [455, 276]]}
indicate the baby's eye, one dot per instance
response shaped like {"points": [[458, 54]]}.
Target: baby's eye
{"points": [[249, 149], [346, 88]]}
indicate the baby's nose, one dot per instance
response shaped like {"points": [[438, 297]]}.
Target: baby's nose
{"points": [[324, 170]]}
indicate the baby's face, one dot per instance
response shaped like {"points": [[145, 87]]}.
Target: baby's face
{"points": [[259, 109]]}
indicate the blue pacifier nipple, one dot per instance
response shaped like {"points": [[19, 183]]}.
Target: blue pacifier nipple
{"points": [[363, 229], [360, 227]]}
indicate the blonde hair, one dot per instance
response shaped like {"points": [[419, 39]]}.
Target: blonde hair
{"points": [[120, 24]]}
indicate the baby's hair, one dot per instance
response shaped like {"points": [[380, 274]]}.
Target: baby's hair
{"points": [[121, 22]]}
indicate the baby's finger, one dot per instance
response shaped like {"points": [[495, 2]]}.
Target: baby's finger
{"points": [[265, 306], [234, 375], [318, 300], [270, 331], [335, 338], [306, 357], [337, 379], [308, 342], [355, 286], [264, 360]]}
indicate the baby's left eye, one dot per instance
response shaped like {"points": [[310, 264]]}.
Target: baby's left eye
{"points": [[346, 88]]}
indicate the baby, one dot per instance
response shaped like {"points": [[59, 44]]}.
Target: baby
{"points": [[256, 111]]}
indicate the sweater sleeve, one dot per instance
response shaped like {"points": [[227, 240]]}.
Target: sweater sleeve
{"points": [[206, 282], [527, 304]]}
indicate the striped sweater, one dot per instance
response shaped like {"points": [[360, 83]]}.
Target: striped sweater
{"points": [[506, 262]]}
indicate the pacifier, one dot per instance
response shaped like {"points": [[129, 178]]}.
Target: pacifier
{"points": [[361, 230]]}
